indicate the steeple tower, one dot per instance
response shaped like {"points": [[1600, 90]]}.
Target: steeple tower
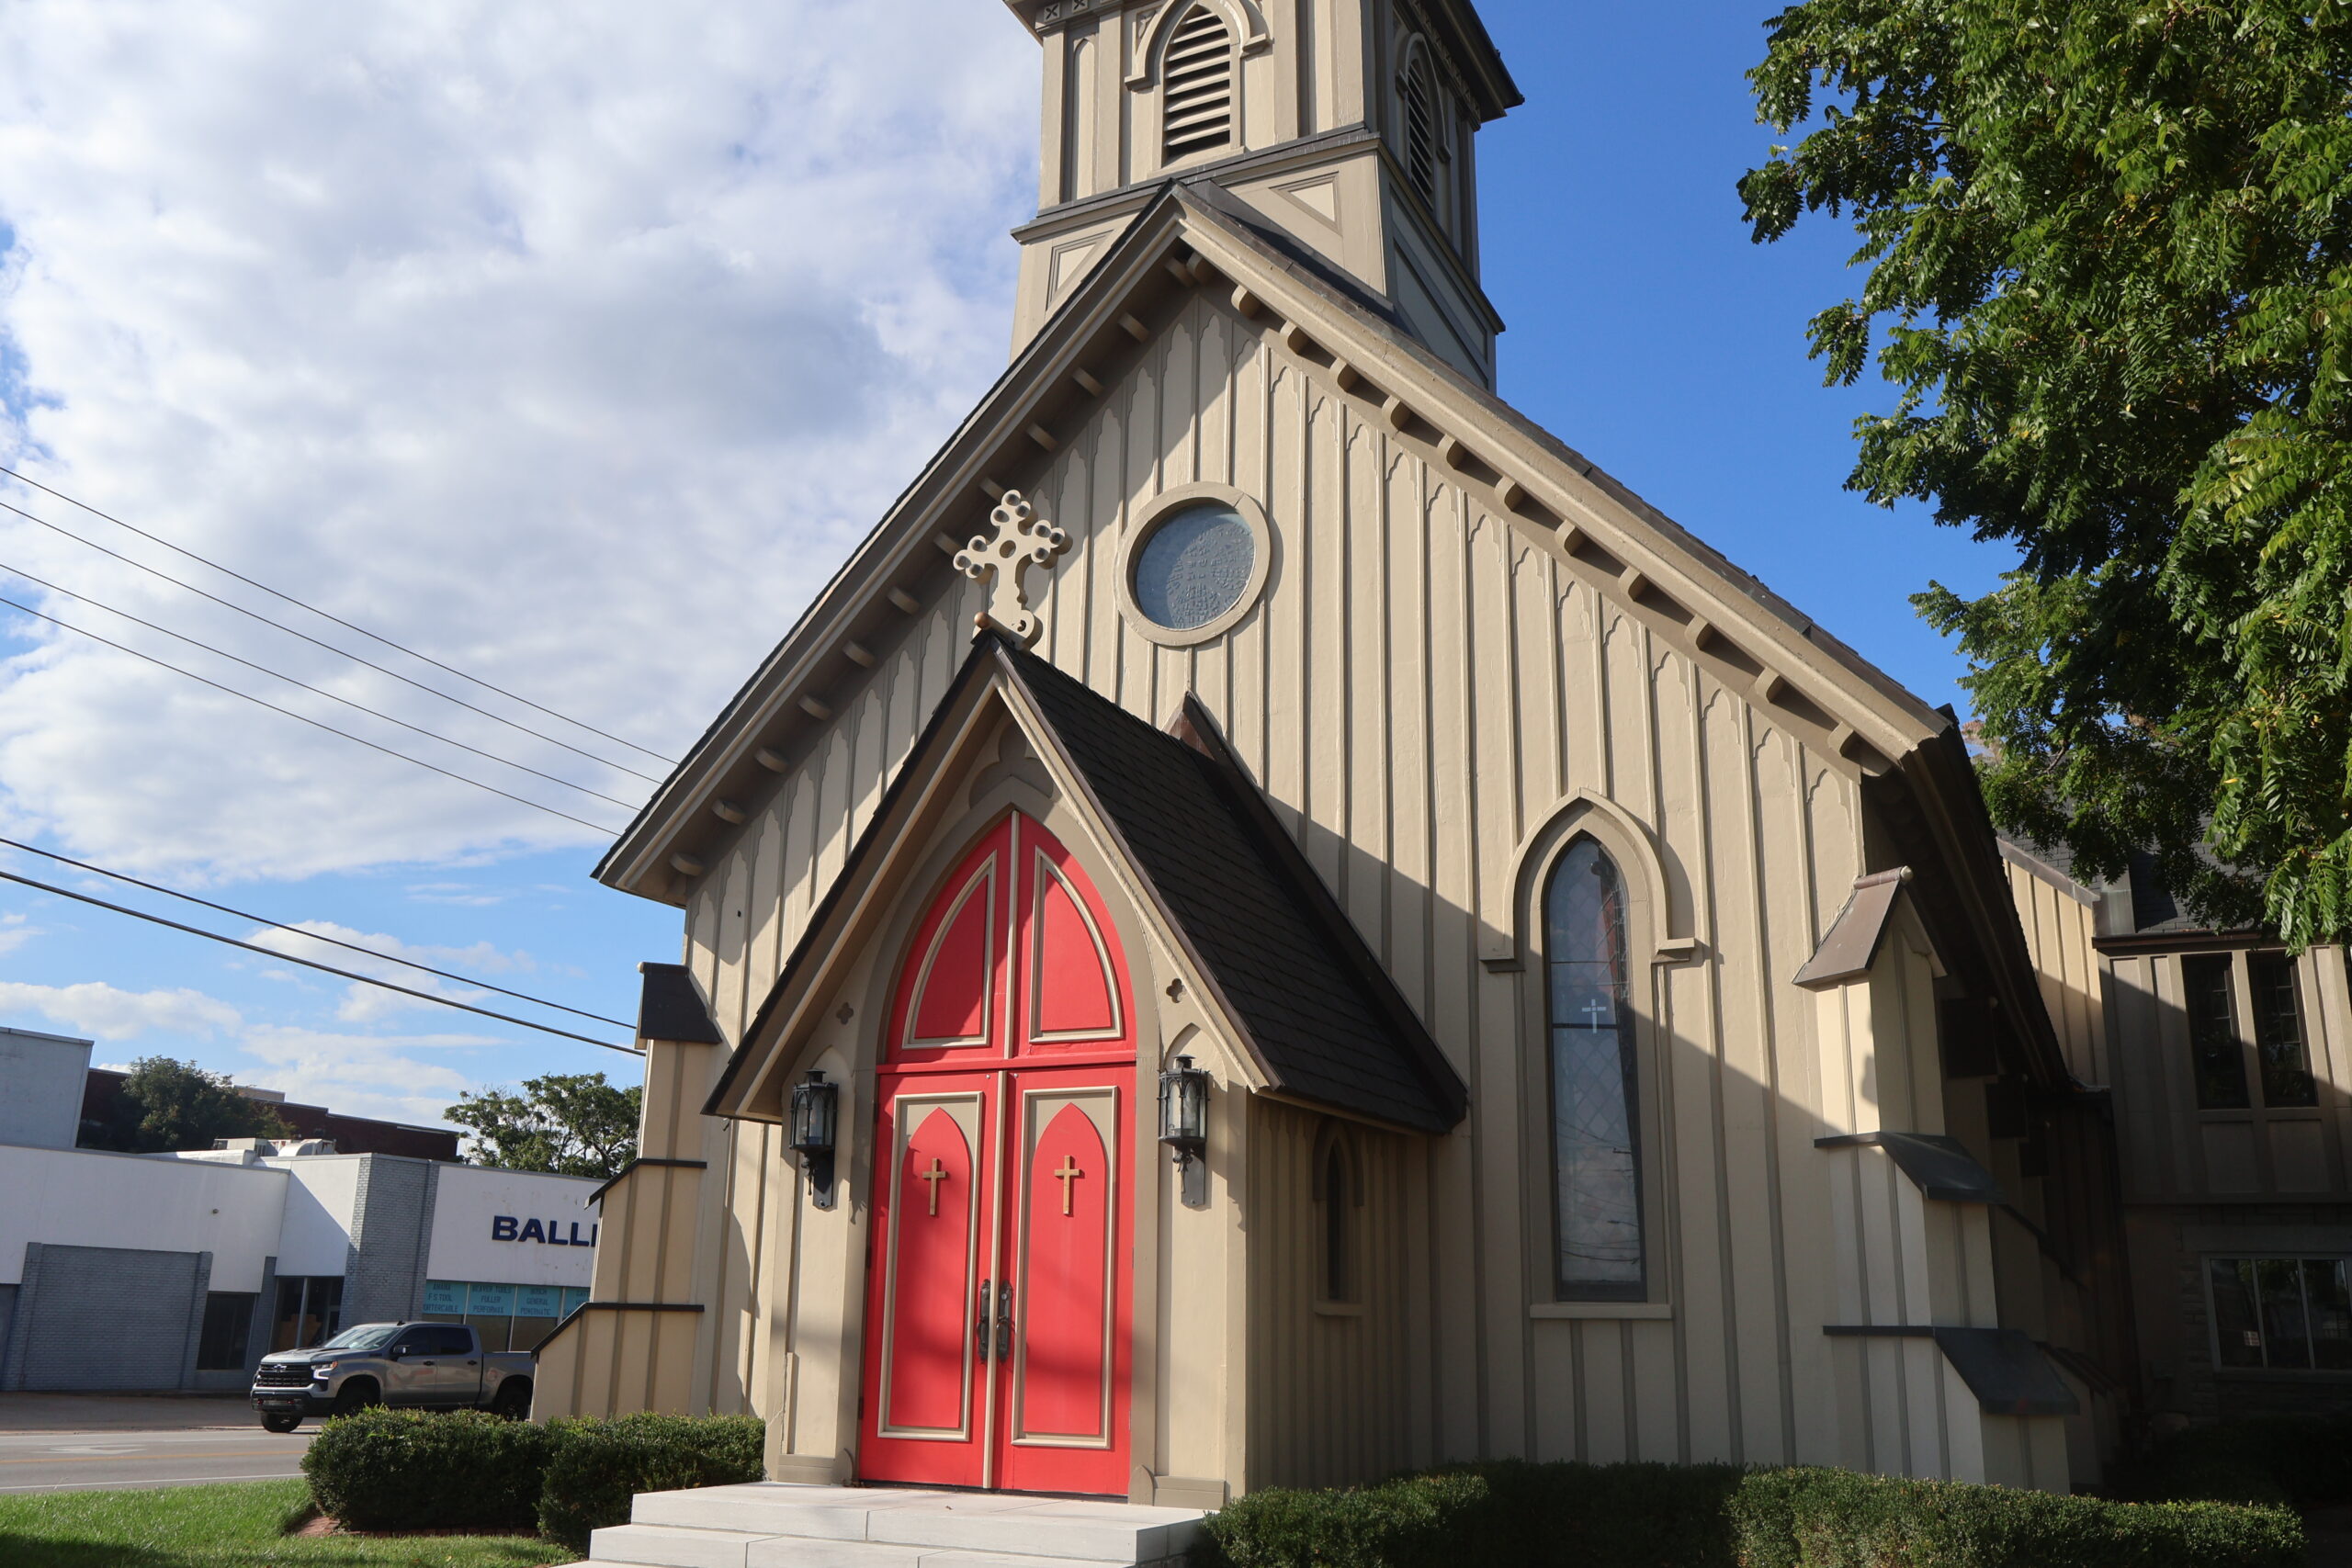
{"points": [[1348, 125]]}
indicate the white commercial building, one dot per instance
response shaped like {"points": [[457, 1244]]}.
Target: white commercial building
{"points": [[180, 1271]]}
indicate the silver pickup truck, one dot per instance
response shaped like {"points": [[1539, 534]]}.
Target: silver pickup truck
{"points": [[414, 1366]]}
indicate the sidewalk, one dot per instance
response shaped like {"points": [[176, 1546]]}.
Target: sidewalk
{"points": [[121, 1412]]}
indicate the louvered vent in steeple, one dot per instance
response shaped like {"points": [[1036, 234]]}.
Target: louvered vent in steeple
{"points": [[1421, 130], [1196, 109]]}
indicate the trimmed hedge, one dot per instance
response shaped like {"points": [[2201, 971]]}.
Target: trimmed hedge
{"points": [[1569, 1516], [2277, 1460], [416, 1470], [413, 1469], [1836, 1519], [597, 1465]]}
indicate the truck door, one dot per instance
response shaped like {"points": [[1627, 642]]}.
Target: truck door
{"points": [[409, 1369], [456, 1363]]}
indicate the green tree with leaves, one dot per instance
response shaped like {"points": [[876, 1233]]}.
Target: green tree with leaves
{"points": [[166, 1106], [2109, 254], [565, 1124]]}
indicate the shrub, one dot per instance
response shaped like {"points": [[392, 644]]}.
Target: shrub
{"points": [[413, 1469], [2297, 1460], [1616, 1515], [1647, 1516], [1420, 1521], [1835, 1518], [598, 1466]]}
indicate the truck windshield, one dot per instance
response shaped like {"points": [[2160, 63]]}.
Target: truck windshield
{"points": [[366, 1337]]}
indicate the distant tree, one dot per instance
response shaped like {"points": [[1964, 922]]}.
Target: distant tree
{"points": [[566, 1124], [2106, 261], [167, 1106]]}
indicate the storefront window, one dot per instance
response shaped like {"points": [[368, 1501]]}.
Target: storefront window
{"points": [[228, 1327], [508, 1317], [310, 1312], [2281, 1313]]}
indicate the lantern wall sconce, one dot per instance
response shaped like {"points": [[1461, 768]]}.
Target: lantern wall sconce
{"points": [[816, 1121], [1184, 1127]]}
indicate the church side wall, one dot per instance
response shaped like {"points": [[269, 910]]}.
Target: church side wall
{"points": [[1425, 686], [1326, 1406]]}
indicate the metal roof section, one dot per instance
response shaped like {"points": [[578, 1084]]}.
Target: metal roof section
{"points": [[670, 1007], [1941, 1167], [1847, 954]]}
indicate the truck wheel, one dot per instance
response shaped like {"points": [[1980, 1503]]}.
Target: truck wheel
{"points": [[513, 1400], [280, 1423], [356, 1396]]}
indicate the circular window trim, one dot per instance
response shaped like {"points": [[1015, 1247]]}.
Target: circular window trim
{"points": [[1146, 522]]}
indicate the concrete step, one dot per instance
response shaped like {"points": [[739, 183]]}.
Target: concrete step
{"points": [[676, 1549], [779, 1525]]}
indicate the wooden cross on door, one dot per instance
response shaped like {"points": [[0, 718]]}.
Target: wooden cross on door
{"points": [[1066, 1175], [935, 1175]]}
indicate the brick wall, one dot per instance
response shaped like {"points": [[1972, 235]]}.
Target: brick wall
{"points": [[391, 1231], [2192, 1385], [107, 1318]]}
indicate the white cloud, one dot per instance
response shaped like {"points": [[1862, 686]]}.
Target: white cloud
{"points": [[107, 1013], [573, 341], [363, 1075], [16, 930], [367, 1004]]}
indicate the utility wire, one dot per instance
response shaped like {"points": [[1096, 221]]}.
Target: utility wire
{"points": [[299, 931], [331, 729], [315, 690], [338, 653], [363, 631], [308, 963]]}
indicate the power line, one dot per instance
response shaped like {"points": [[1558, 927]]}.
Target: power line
{"points": [[331, 729], [316, 691], [315, 642], [363, 631], [335, 941], [310, 963]]}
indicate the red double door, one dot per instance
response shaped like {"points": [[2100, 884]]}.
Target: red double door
{"points": [[1000, 1283]]}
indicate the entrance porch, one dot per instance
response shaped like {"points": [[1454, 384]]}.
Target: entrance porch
{"points": [[776, 1525]]}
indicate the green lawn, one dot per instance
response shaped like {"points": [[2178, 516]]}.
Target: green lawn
{"points": [[223, 1527]]}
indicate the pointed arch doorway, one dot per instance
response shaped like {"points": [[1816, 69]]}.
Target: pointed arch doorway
{"points": [[1000, 1281]]}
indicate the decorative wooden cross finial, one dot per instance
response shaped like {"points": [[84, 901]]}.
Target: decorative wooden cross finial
{"points": [[935, 1175], [1020, 540], [1067, 1173]]}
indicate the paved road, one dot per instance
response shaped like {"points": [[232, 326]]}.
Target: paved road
{"points": [[79, 1461]]}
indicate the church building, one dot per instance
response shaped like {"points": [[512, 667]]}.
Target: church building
{"points": [[1274, 925]]}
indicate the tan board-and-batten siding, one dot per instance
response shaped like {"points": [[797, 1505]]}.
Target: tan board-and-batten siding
{"points": [[1424, 685]]}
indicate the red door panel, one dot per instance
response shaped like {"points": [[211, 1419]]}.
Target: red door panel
{"points": [[949, 1003], [1073, 993], [1005, 1090], [1066, 1240], [925, 1385]]}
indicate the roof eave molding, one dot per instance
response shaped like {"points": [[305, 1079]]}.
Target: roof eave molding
{"points": [[1183, 242]]}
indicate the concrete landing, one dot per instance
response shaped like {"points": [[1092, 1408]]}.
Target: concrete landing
{"points": [[772, 1524]]}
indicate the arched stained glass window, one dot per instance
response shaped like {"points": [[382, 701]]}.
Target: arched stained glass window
{"points": [[1596, 1140]]}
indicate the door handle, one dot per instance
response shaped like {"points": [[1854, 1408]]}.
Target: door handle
{"points": [[1004, 1323], [980, 1324]]}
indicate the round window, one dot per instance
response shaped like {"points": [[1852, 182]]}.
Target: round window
{"points": [[1194, 567]]}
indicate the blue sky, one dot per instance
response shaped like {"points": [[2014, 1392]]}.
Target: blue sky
{"points": [[575, 349]]}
